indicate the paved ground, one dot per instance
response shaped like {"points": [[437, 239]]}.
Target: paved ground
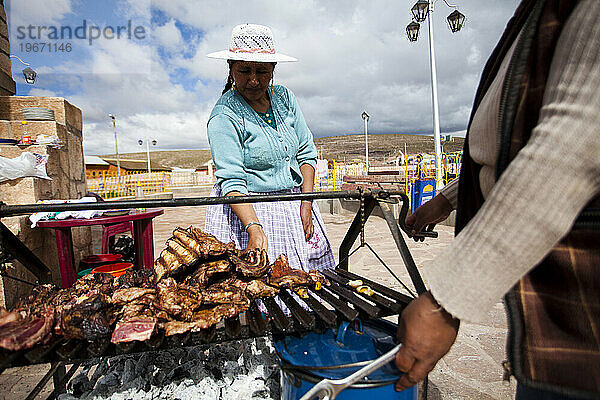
{"points": [[472, 369]]}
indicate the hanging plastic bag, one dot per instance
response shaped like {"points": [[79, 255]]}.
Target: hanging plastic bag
{"points": [[27, 164]]}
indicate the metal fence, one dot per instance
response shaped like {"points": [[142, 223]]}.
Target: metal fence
{"points": [[136, 183]]}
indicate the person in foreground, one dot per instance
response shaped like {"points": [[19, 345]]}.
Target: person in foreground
{"points": [[528, 210], [260, 144]]}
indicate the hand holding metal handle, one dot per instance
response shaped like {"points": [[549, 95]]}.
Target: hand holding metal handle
{"points": [[328, 389], [402, 218]]}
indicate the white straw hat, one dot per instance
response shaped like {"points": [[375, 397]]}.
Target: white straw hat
{"points": [[250, 42]]}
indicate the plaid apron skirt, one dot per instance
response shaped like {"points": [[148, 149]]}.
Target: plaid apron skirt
{"points": [[283, 226]]}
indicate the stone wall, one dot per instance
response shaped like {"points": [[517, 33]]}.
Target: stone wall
{"points": [[7, 84], [66, 168]]}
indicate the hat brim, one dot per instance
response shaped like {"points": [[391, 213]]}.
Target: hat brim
{"points": [[256, 57]]}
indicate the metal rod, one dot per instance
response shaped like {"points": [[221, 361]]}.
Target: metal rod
{"points": [[63, 382], [353, 232], [21, 253], [12, 210], [42, 383], [391, 293], [409, 262]]}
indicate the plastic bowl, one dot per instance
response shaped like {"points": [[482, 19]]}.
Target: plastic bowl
{"points": [[115, 270], [98, 260], [84, 272]]}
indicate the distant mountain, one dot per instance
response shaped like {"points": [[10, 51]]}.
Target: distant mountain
{"points": [[382, 149]]}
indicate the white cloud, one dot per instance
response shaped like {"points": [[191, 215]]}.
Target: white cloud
{"points": [[168, 36], [36, 12]]}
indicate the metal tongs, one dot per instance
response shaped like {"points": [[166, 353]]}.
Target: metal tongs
{"points": [[328, 389]]}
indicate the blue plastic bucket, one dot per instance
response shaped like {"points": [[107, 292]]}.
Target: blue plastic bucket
{"points": [[337, 353]]}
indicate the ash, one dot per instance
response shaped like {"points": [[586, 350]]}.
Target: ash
{"points": [[245, 369]]}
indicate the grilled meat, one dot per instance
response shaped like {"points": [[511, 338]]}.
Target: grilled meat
{"points": [[134, 329], [166, 264], [280, 266], [227, 291], [141, 278], [203, 319], [208, 245], [187, 256], [25, 333], [124, 296], [83, 324], [89, 318], [207, 270], [178, 300], [257, 289], [251, 264], [283, 276]]}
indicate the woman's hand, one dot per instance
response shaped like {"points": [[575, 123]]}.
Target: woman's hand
{"points": [[434, 211], [426, 332], [306, 217], [256, 238]]}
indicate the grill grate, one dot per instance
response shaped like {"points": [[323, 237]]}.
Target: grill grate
{"points": [[327, 306]]}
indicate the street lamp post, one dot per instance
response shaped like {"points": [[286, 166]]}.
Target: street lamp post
{"points": [[116, 151], [140, 142], [365, 117], [422, 10], [28, 73]]}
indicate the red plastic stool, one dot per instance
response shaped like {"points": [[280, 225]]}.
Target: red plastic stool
{"points": [[109, 232]]}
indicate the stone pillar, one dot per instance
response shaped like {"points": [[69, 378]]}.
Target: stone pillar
{"points": [[7, 84], [66, 168]]}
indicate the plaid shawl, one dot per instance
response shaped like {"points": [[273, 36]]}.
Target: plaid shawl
{"points": [[554, 311]]}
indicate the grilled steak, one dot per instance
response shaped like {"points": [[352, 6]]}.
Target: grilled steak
{"points": [[141, 278], [204, 319], [178, 300], [134, 329], [257, 289], [89, 318], [208, 245], [166, 264], [251, 264], [283, 276], [187, 256], [207, 270], [25, 333], [227, 291], [124, 296]]}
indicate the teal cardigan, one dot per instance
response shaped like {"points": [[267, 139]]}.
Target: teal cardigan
{"points": [[251, 156]]}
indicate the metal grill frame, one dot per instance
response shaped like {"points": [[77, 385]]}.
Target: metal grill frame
{"points": [[385, 303]]}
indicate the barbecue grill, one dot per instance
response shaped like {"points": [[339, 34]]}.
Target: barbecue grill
{"points": [[328, 306]]}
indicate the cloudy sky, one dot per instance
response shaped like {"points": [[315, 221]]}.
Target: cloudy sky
{"points": [[354, 56]]}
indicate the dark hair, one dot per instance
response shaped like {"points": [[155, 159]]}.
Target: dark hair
{"points": [[229, 82]]}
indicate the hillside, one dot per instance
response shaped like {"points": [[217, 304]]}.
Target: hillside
{"points": [[382, 149]]}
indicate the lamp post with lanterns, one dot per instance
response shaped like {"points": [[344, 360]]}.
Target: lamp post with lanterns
{"points": [[422, 10], [366, 117], [141, 142]]}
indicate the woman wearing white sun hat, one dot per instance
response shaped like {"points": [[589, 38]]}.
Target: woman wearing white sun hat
{"points": [[260, 144]]}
